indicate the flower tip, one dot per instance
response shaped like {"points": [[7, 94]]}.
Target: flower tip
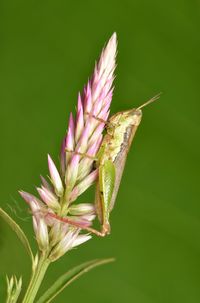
{"points": [[29, 198], [50, 163], [49, 158], [113, 41], [114, 37], [38, 189], [81, 239], [71, 122], [42, 178], [23, 194]]}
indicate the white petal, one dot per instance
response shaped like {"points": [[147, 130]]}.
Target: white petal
{"points": [[55, 177]]}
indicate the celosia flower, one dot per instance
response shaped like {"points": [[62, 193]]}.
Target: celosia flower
{"points": [[79, 148]]}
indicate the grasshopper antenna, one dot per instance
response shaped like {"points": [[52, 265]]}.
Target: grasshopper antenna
{"points": [[150, 101]]}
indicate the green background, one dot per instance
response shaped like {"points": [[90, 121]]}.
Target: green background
{"points": [[48, 50]]}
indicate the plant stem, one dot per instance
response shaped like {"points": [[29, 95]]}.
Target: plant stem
{"points": [[36, 279]]}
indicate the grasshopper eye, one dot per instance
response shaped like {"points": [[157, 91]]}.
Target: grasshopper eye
{"points": [[138, 112]]}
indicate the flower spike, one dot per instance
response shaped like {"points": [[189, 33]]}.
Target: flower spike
{"points": [[77, 172]]}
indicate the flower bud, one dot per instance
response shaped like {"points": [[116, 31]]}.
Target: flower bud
{"points": [[82, 209], [57, 232], [72, 171], [49, 198], [41, 231], [64, 245], [81, 239], [55, 177]]}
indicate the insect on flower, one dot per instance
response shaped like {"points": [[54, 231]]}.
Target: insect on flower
{"points": [[77, 173], [87, 157], [110, 161]]}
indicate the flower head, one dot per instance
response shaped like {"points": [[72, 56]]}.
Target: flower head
{"points": [[78, 150]]}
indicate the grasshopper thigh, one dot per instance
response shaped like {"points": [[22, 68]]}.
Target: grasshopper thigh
{"points": [[106, 186]]}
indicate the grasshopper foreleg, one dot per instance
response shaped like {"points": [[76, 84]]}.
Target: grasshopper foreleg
{"points": [[96, 118]]}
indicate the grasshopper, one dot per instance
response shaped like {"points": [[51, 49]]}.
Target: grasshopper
{"points": [[111, 159]]}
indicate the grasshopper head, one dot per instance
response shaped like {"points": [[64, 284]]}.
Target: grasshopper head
{"points": [[124, 119], [133, 115], [119, 122]]}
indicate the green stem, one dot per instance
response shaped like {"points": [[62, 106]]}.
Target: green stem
{"points": [[36, 279]]}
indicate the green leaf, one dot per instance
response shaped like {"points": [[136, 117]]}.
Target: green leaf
{"points": [[69, 277], [17, 229]]}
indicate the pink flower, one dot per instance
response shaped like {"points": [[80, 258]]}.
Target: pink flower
{"points": [[78, 151]]}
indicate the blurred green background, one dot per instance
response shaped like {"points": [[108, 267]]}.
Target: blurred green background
{"points": [[47, 53]]}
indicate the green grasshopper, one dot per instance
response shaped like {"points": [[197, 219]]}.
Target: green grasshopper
{"points": [[111, 159]]}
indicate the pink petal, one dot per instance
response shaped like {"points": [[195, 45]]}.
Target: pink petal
{"points": [[63, 157], [81, 239], [82, 144], [83, 185], [87, 98], [69, 141], [55, 177], [72, 171], [79, 119], [94, 146], [70, 134], [46, 184], [35, 204], [48, 198]]}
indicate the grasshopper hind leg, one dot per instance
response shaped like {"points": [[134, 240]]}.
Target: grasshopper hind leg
{"points": [[104, 193], [100, 211]]}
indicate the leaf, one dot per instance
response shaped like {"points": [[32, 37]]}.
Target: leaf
{"points": [[69, 277], [17, 229]]}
